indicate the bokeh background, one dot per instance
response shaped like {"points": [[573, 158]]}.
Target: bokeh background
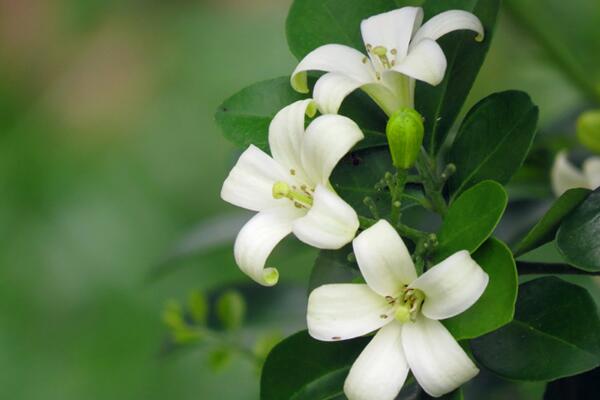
{"points": [[110, 170]]}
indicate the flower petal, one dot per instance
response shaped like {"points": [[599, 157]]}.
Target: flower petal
{"points": [[392, 30], [425, 62], [436, 360], [345, 311], [447, 22], [286, 133], [383, 259], [591, 170], [331, 89], [381, 369], [451, 286], [257, 239], [329, 224], [250, 182], [565, 176], [333, 58], [327, 139]]}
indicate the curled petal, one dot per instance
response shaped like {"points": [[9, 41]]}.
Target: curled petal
{"points": [[258, 238], [451, 286], [333, 58], [329, 224], [436, 360], [331, 89], [392, 30], [447, 22], [328, 138], [381, 369], [250, 182], [425, 62], [286, 133], [565, 176], [591, 170], [345, 311], [383, 259]]}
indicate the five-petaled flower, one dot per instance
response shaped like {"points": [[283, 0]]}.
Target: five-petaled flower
{"points": [[291, 189], [565, 176], [399, 52], [406, 309]]}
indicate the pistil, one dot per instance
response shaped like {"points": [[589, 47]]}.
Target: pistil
{"points": [[301, 198]]}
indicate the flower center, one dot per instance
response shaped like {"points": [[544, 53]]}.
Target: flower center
{"points": [[381, 53], [301, 197], [409, 305]]}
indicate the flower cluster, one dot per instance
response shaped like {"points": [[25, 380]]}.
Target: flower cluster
{"points": [[291, 193]]}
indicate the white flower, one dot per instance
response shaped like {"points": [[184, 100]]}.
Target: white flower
{"points": [[406, 310], [565, 176], [399, 52], [291, 189]]}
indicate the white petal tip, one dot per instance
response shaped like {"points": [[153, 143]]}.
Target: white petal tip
{"points": [[480, 37], [299, 82], [270, 277]]}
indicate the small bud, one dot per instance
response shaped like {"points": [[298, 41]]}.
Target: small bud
{"points": [[231, 309], [405, 132], [588, 130], [198, 306]]}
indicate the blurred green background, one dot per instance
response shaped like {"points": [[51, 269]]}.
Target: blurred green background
{"points": [[109, 157]]}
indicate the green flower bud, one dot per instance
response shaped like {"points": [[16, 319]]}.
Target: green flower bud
{"points": [[588, 130], [405, 132], [231, 309]]}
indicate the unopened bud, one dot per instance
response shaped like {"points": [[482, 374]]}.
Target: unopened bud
{"points": [[588, 130], [405, 132]]}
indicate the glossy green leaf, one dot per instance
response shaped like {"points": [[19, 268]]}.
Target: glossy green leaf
{"points": [[441, 104], [568, 31], [578, 238], [471, 219], [333, 266], [545, 230], [555, 333], [313, 23], [493, 140], [302, 368], [245, 116], [496, 306]]}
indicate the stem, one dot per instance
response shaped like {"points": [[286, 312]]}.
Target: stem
{"points": [[530, 268], [396, 191], [366, 222], [415, 235], [431, 183]]}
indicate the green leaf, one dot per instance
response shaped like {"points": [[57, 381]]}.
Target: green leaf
{"points": [[496, 306], [333, 266], [313, 23], [555, 333], [302, 368], [575, 51], [493, 140], [245, 116], [578, 238], [454, 395], [545, 230], [471, 219], [588, 130], [576, 387], [441, 104]]}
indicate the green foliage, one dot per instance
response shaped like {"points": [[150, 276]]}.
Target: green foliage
{"points": [[198, 307], [555, 333], [333, 266], [545, 229], [245, 116], [577, 237], [588, 130], [496, 306], [231, 309], [302, 368], [441, 104], [576, 387], [493, 140], [471, 219]]}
